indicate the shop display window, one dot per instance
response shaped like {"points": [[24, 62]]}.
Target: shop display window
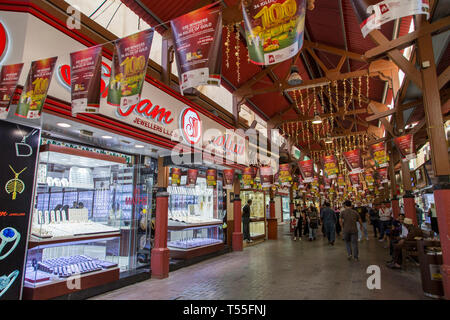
{"points": [[257, 211], [286, 208]]}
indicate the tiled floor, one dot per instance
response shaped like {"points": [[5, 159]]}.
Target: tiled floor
{"points": [[282, 269]]}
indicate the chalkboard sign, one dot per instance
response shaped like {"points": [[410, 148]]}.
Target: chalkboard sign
{"points": [[19, 150]]}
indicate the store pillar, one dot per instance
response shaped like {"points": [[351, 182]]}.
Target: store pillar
{"points": [[160, 253], [272, 223], [395, 205], [442, 202], [238, 237], [409, 205]]}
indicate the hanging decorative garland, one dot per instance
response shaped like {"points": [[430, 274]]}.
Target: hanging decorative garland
{"points": [[227, 47], [237, 48]]}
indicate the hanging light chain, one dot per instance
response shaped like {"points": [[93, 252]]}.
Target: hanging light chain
{"points": [[237, 48]]}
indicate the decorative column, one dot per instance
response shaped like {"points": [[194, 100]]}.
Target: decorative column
{"points": [[272, 222], [395, 204], [439, 147], [160, 252], [409, 204], [291, 206], [238, 237]]}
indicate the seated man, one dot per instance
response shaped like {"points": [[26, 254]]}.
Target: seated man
{"points": [[409, 233], [395, 233]]}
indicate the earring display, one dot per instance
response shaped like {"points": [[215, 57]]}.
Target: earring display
{"points": [[7, 281], [8, 235]]}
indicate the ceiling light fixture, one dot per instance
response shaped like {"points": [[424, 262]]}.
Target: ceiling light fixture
{"points": [[317, 119], [138, 146], [63, 125], [106, 137], [294, 78], [328, 140]]}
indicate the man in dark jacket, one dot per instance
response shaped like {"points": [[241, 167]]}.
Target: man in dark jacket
{"points": [[328, 217], [246, 220]]}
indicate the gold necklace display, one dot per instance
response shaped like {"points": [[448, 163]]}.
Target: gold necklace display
{"points": [[15, 185]]}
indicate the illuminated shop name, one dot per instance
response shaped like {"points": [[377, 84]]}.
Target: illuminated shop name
{"points": [[226, 143], [144, 108]]}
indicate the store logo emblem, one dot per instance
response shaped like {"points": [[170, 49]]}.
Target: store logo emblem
{"points": [[271, 59], [3, 41], [384, 8], [191, 125]]}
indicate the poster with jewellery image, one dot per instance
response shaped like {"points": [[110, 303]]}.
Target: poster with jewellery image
{"points": [[18, 165]]}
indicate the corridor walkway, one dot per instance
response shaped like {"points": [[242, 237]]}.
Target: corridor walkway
{"points": [[282, 269]]}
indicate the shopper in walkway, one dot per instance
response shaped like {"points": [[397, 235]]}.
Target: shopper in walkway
{"points": [[338, 224], [246, 221], [305, 213], [329, 219], [313, 222], [299, 223], [409, 234], [363, 213], [419, 214], [385, 221], [374, 220], [349, 218]]}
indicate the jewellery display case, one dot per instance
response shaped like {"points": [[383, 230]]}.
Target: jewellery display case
{"points": [[195, 218], [257, 212], [81, 222], [56, 269]]}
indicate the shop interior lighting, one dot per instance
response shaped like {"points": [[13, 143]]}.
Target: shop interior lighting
{"points": [[63, 125], [317, 119], [294, 78]]}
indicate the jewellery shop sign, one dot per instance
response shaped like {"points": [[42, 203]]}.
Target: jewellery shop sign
{"points": [[159, 110], [19, 145]]}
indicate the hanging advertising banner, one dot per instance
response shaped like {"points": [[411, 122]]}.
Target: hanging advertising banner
{"points": [[247, 177], [341, 181], [353, 160], [129, 68], [383, 174], [198, 46], [354, 179], [274, 29], [211, 177], [380, 155], [85, 80], [266, 176], [374, 13], [20, 145], [315, 183], [330, 166], [228, 178], [307, 170], [192, 177], [301, 184], [369, 178], [9, 76], [327, 182], [176, 176], [405, 145], [285, 175], [36, 87]]}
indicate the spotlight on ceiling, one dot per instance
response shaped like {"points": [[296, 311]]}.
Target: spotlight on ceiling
{"points": [[294, 78], [328, 140], [317, 119]]}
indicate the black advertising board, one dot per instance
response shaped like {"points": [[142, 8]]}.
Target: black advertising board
{"points": [[19, 145]]}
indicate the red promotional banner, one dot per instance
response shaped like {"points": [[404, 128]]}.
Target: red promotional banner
{"points": [[327, 182], [315, 183], [228, 178], [341, 181], [9, 76], [248, 176], [307, 170], [354, 179], [211, 177], [129, 68], [405, 145], [374, 13], [85, 80], [369, 178], [176, 176], [383, 174], [330, 166], [198, 43], [192, 177], [266, 176], [36, 87], [380, 155], [353, 160], [274, 29], [285, 175]]}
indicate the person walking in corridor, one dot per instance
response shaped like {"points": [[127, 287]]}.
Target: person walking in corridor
{"points": [[313, 222], [385, 221], [246, 221], [349, 218], [329, 219], [374, 220], [299, 223], [363, 213]]}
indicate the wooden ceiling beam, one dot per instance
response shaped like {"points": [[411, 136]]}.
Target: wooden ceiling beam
{"points": [[324, 116], [406, 40], [382, 114], [444, 77]]}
